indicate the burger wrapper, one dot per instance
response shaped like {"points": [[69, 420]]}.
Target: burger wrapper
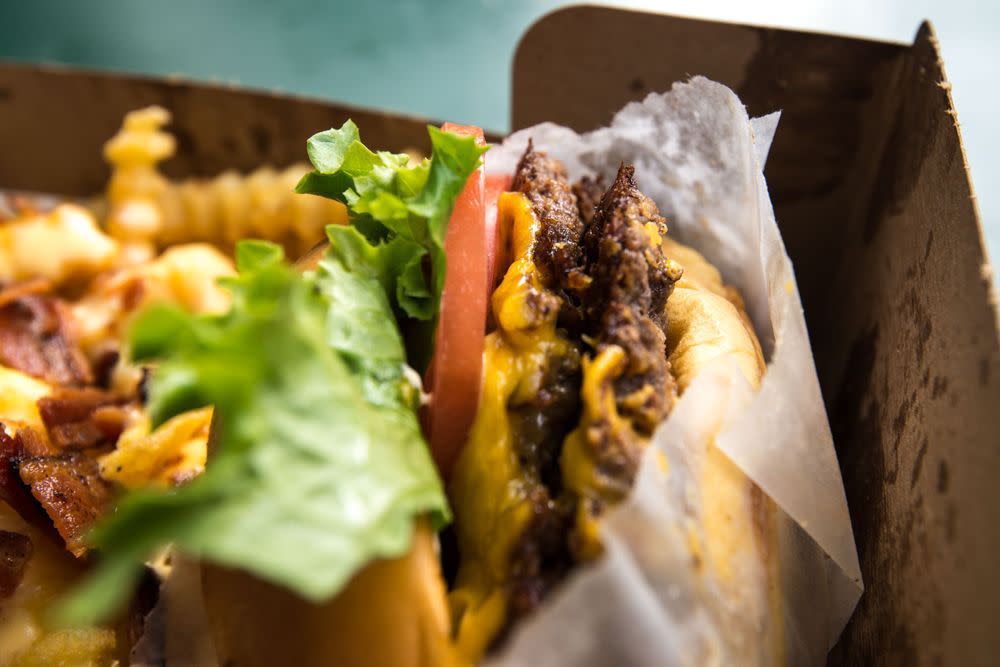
{"points": [[653, 598]]}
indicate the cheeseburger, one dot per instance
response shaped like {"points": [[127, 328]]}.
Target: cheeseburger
{"points": [[410, 436]]}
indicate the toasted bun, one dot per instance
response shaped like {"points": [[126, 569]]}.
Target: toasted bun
{"points": [[707, 324], [393, 614], [704, 327]]}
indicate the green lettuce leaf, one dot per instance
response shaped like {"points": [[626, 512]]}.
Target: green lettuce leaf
{"points": [[319, 465], [399, 217]]}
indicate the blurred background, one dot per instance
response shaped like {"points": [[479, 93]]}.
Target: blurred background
{"points": [[451, 58]]}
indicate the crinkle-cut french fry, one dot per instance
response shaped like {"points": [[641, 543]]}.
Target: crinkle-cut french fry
{"points": [[262, 204], [134, 191], [146, 211]]}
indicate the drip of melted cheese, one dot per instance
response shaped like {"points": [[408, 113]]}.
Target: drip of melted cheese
{"points": [[579, 470], [488, 489]]}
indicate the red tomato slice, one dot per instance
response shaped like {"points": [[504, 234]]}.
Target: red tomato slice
{"points": [[455, 373], [495, 185]]}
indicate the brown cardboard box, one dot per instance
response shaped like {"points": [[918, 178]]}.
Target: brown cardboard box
{"points": [[870, 187], [871, 190]]}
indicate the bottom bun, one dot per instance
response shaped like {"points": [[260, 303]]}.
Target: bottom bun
{"points": [[392, 613]]}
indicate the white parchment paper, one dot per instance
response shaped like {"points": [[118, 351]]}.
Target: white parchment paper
{"points": [[648, 602]]}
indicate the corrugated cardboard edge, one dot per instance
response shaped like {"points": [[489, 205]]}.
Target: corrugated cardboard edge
{"points": [[871, 190], [927, 32]]}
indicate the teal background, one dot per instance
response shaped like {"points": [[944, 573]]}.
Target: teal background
{"points": [[451, 58]]}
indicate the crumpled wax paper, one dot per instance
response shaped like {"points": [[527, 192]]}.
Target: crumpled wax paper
{"points": [[649, 600]]}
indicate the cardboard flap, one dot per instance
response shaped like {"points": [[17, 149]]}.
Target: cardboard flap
{"points": [[55, 120], [913, 378]]}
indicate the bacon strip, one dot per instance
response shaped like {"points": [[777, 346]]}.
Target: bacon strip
{"points": [[35, 339], [82, 418], [54, 482], [70, 490], [60, 492]]}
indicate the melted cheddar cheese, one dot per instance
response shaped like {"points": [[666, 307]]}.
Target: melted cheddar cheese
{"points": [[579, 471], [173, 453], [488, 489]]}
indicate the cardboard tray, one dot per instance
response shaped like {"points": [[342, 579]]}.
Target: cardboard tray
{"points": [[871, 190]]}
